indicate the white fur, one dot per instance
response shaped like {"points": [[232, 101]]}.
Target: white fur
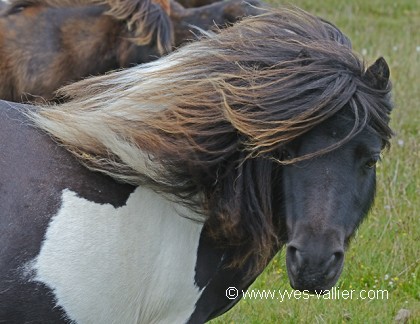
{"points": [[133, 264]]}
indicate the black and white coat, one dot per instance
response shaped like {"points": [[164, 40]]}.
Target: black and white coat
{"points": [[79, 247]]}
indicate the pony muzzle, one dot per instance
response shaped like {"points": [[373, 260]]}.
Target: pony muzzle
{"points": [[313, 269]]}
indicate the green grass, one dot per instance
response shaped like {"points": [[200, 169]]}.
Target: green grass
{"points": [[386, 251]]}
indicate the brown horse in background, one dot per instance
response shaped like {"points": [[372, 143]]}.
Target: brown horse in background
{"points": [[45, 44], [207, 14]]}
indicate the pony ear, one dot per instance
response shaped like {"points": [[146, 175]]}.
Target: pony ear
{"points": [[377, 75]]}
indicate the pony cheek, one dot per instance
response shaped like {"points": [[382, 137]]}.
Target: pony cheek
{"points": [[362, 202]]}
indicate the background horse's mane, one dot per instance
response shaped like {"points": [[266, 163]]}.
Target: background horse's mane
{"points": [[206, 122], [147, 20]]}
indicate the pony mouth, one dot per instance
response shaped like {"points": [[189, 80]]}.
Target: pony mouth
{"points": [[317, 285], [312, 289], [314, 283]]}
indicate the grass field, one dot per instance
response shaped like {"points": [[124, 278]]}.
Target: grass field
{"points": [[386, 251]]}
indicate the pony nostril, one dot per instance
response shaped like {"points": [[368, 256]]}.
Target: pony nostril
{"points": [[334, 264], [295, 257], [338, 256], [335, 258]]}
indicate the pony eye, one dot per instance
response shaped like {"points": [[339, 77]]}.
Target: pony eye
{"points": [[372, 162]]}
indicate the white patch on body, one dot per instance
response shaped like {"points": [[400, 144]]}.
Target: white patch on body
{"points": [[133, 264]]}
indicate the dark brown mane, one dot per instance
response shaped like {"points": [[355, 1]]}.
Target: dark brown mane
{"points": [[146, 19], [206, 123]]}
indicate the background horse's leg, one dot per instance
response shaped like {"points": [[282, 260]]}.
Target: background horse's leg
{"points": [[207, 17]]}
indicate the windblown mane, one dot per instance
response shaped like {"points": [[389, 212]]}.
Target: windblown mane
{"points": [[147, 19], [206, 122]]}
